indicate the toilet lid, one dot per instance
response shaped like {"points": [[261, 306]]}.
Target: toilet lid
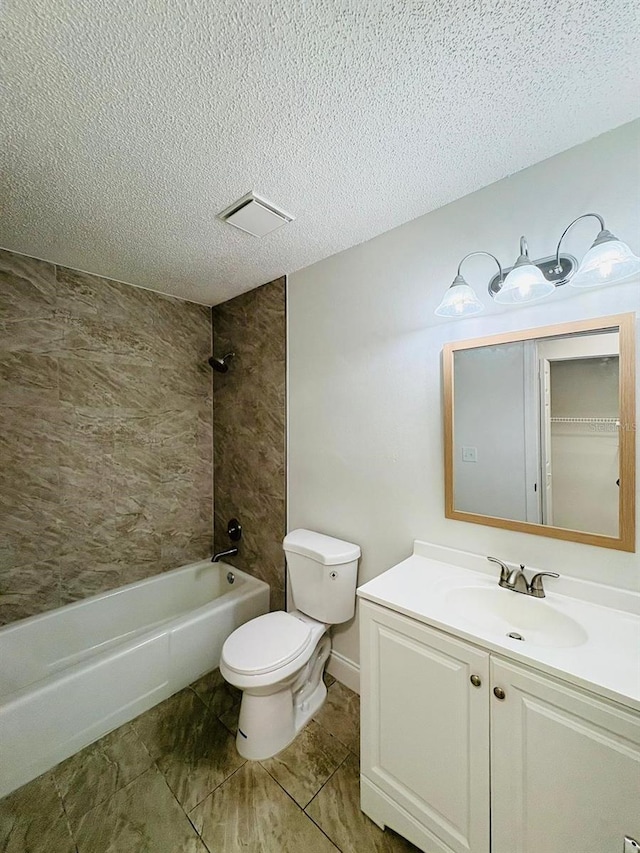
{"points": [[266, 643]]}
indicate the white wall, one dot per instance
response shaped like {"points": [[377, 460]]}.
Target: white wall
{"points": [[365, 429], [585, 457], [489, 392]]}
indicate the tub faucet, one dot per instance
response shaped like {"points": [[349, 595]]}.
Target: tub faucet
{"points": [[230, 552]]}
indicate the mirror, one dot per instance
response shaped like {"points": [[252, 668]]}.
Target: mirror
{"points": [[540, 431]]}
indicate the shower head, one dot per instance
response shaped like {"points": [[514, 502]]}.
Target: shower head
{"points": [[221, 364]]}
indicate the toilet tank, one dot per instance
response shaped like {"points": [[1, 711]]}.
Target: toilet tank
{"points": [[323, 573]]}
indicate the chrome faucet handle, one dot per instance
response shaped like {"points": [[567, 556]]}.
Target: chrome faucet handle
{"points": [[536, 588], [517, 580], [505, 571]]}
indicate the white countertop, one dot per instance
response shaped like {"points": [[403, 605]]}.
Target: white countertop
{"points": [[606, 662]]}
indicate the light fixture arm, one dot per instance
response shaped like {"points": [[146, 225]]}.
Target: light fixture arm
{"points": [[570, 225], [471, 254]]}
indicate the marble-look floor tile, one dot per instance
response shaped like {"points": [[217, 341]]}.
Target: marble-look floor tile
{"points": [[206, 758], [142, 817], [195, 752], [251, 812], [306, 764], [166, 727], [340, 715], [94, 774], [230, 719], [336, 809], [216, 693], [32, 820]]}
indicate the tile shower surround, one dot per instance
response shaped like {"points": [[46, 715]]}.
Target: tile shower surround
{"points": [[249, 426], [105, 434]]}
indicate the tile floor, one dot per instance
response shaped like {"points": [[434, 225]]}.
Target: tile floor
{"points": [[171, 781]]}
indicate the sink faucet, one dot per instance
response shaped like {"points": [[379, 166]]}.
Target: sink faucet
{"points": [[230, 552], [516, 580]]}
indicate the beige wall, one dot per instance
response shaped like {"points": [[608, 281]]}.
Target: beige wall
{"points": [[105, 434], [249, 427], [365, 423]]}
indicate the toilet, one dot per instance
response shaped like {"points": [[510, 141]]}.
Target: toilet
{"points": [[277, 660]]}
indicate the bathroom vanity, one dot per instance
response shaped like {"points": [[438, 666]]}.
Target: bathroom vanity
{"points": [[494, 722]]}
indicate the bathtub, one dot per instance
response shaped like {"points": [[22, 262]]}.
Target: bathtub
{"points": [[70, 676]]}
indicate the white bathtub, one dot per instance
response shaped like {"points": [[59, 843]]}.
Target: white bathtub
{"points": [[70, 676]]}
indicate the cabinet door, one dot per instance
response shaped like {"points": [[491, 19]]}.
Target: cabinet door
{"points": [[565, 767], [425, 730]]}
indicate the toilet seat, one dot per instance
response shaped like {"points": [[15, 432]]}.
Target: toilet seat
{"points": [[266, 643]]}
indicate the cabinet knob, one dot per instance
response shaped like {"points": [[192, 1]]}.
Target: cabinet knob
{"points": [[476, 680], [499, 693]]}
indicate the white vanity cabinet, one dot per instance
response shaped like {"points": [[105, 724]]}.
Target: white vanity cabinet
{"points": [[565, 767], [548, 768], [425, 733]]}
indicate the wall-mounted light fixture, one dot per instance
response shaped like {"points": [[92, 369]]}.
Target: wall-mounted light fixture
{"points": [[608, 261], [460, 299]]}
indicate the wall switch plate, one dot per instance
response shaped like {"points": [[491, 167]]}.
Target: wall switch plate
{"points": [[630, 846], [469, 454]]}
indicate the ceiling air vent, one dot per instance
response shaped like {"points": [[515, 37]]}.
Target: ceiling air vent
{"points": [[255, 215]]}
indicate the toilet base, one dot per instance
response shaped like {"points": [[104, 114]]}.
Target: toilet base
{"points": [[268, 724]]}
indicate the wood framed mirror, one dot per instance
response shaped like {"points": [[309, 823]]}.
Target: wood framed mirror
{"points": [[540, 431]]}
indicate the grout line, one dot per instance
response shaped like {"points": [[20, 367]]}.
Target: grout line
{"points": [[182, 808], [189, 687], [219, 785], [64, 812], [325, 783], [297, 804], [315, 823], [321, 789], [212, 791], [340, 741]]}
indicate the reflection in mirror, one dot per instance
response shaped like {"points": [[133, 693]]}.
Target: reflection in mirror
{"points": [[536, 431], [539, 432]]}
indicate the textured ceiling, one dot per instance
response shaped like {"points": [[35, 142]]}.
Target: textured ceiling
{"points": [[128, 124]]}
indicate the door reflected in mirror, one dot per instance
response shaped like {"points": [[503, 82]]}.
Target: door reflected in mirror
{"points": [[539, 431]]}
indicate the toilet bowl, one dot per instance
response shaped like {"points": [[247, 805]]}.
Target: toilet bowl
{"points": [[278, 659]]}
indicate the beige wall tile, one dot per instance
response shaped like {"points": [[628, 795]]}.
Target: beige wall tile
{"points": [[249, 429], [105, 435]]}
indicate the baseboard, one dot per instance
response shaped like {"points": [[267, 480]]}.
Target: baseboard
{"points": [[344, 670]]}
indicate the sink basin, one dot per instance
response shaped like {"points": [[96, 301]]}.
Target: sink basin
{"points": [[504, 612]]}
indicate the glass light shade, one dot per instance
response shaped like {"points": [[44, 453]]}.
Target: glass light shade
{"points": [[459, 301], [525, 283], [606, 262]]}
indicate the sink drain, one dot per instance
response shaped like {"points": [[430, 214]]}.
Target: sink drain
{"points": [[515, 636]]}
